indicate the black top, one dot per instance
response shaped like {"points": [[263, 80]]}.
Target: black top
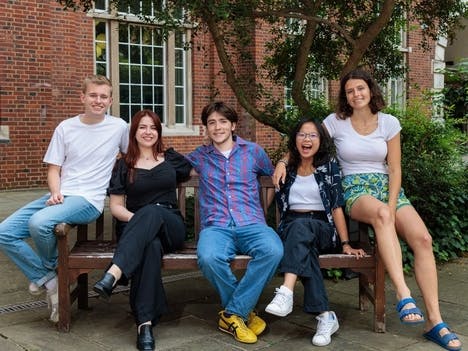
{"points": [[150, 186]]}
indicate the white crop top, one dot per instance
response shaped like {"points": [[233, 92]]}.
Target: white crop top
{"points": [[304, 194], [358, 153]]}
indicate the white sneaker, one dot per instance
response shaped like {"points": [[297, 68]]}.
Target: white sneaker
{"points": [[52, 303], [35, 289], [282, 303], [327, 325]]}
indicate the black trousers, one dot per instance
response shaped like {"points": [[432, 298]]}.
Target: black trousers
{"points": [[152, 231], [304, 237]]}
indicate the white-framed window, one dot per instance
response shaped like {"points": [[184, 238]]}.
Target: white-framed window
{"points": [[148, 70], [315, 87]]}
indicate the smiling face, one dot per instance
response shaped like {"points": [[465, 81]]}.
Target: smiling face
{"points": [[219, 129], [96, 100], [358, 94], [146, 134], [308, 141]]}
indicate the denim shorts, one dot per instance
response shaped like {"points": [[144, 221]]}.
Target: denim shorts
{"points": [[374, 184]]}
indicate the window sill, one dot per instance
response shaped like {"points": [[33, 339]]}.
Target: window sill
{"points": [[181, 131]]}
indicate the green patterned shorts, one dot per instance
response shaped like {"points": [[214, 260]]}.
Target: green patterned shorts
{"points": [[374, 184]]}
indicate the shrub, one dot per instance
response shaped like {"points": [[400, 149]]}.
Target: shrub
{"points": [[434, 179]]}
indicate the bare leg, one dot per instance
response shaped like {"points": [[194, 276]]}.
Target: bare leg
{"points": [[369, 210], [412, 229], [290, 280], [116, 272]]}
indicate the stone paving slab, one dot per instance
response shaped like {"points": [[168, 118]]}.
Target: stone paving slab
{"points": [[192, 322]]}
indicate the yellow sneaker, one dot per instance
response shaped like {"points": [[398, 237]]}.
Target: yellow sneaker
{"points": [[235, 326], [255, 323]]}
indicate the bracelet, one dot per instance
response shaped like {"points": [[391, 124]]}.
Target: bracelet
{"points": [[345, 242], [284, 162]]}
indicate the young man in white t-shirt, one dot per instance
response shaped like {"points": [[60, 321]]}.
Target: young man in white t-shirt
{"points": [[80, 158]]}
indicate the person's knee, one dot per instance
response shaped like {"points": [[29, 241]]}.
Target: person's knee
{"points": [[38, 225], [423, 242], [208, 258], [383, 216]]}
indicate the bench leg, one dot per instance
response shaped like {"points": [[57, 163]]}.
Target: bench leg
{"points": [[379, 293], [363, 289], [64, 301], [83, 291]]}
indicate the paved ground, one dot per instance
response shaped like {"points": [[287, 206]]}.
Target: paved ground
{"points": [[191, 325]]}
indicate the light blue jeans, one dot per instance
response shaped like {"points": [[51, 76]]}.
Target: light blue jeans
{"points": [[217, 246], [37, 220]]}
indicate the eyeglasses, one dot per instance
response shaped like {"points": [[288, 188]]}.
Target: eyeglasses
{"points": [[301, 135]]}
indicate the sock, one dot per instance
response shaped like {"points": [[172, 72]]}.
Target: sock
{"points": [[286, 290], [139, 327], [51, 284]]}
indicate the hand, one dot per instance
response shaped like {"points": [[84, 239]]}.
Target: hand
{"points": [[279, 175], [348, 250], [55, 199]]}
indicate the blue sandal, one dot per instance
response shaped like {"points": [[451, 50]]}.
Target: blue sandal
{"points": [[443, 341], [405, 312]]}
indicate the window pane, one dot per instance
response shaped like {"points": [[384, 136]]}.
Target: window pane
{"points": [[123, 53], [135, 74], [158, 75], [123, 34], [158, 95], [134, 34], [179, 96], [124, 93], [101, 69], [146, 55], [147, 75], [147, 95], [136, 94], [146, 36], [123, 73], [158, 56], [179, 58], [180, 114], [100, 4], [179, 77], [134, 54]]}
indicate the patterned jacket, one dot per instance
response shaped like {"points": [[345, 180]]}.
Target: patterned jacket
{"points": [[329, 182]]}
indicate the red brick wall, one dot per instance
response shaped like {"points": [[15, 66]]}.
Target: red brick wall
{"points": [[44, 55]]}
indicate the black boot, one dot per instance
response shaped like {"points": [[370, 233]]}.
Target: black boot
{"points": [[105, 286], [145, 339]]}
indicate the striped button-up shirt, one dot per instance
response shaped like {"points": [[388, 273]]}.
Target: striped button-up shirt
{"points": [[229, 187]]}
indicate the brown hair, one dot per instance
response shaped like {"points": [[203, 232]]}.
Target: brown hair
{"points": [[377, 103]]}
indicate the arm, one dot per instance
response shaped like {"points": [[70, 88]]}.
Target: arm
{"points": [[118, 209], [394, 171], [340, 224], [279, 176], [53, 182]]}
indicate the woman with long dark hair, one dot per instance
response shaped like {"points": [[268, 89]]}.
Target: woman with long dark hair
{"points": [[310, 202], [143, 197]]}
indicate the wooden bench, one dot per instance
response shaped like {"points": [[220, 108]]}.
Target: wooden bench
{"points": [[77, 259]]}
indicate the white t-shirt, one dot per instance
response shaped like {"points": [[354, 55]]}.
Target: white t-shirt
{"points": [[86, 154], [358, 153], [305, 194]]}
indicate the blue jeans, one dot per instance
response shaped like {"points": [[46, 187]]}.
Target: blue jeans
{"points": [[37, 220], [217, 246]]}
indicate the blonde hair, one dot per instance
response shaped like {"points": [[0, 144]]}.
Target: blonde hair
{"points": [[96, 79]]}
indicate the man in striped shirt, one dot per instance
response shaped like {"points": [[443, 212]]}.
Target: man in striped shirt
{"points": [[233, 221]]}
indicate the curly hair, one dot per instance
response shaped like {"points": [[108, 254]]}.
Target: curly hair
{"points": [[377, 103]]}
